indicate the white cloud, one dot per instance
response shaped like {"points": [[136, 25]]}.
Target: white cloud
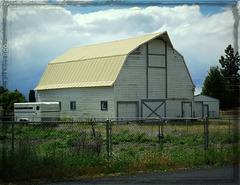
{"points": [[38, 35]]}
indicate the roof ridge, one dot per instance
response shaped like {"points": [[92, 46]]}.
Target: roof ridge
{"points": [[69, 61], [128, 38]]}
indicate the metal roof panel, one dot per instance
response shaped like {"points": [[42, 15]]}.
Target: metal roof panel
{"points": [[85, 73]]}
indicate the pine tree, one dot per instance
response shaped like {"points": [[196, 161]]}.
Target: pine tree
{"points": [[230, 70], [31, 96]]}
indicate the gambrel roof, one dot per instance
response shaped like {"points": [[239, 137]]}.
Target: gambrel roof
{"points": [[92, 65]]}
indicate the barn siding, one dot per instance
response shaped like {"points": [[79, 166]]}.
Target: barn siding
{"points": [[211, 103], [131, 81], [156, 70], [173, 108], [156, 83], [130, 85], [214, 109], [142, 77], [179, 81], [127, 109], [156, 46], [199, 109], [88, 101]]}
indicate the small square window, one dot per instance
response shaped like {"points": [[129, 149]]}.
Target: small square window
{"points": [[104, 105], [73, 105]]}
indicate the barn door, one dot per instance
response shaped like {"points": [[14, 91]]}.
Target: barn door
{"points": [[205, 110], [199, 109], [186, 109], [127, 110], [153, 108]]}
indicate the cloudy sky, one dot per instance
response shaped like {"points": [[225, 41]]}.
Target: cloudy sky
{"points": [[37, 35]]}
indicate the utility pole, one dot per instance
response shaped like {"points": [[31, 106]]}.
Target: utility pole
{"points": [[236, 17], [4, 53]]}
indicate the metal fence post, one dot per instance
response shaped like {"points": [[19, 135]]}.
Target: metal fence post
{"points": [[110, 137], [160, 131], [229, 126], [235, 132], [13, 136], [206, 132], [107, 137]]}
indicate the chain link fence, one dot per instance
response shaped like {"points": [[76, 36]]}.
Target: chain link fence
{"points": [[55, 142]]}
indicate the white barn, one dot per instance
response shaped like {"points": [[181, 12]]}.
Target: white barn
{"points": [[206, 106], [136, 77]]}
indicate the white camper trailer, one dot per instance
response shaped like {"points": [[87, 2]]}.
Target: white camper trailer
{"points": [[37, 111]]}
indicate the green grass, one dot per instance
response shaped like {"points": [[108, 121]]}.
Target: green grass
{"points": [[72, 151]]}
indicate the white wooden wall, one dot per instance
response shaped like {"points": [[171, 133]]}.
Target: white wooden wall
{"points": [[132, 84], [173, 108], [199, 109], [127, 110], [213, 104], [156, 70], [131, 81], [88, 101], [179, 82]]}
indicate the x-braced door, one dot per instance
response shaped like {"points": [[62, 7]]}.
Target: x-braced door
{"points": [[153, 108]]}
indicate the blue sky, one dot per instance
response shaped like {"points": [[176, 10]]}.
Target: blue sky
{"points": [[205, 8], [37, 35]]}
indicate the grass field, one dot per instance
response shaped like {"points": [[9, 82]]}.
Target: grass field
{"points": [[73, 151]]}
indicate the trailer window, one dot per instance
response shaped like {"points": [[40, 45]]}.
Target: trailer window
{"points": [[73, 105], [23, 108]]}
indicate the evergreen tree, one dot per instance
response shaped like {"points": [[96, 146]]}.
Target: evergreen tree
{"points": [[2, 90], [230, 70], [7, 99], [215, 86], [31, 96]]}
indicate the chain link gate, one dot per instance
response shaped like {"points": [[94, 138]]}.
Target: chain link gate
{"points": [[136, 134]]}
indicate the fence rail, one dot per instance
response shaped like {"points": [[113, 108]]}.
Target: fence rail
{"points": [[155, 127]]}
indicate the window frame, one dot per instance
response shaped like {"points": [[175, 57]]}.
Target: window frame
{"points": [[73, 105], [104, 105], [60, 105]]}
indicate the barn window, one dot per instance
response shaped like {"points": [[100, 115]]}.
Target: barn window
{"points": [[60, 105], [156, 61], [104, 105], [73, 105]]}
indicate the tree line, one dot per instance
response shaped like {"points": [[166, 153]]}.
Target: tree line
{"points": [[8, 98], [223, 83]]}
